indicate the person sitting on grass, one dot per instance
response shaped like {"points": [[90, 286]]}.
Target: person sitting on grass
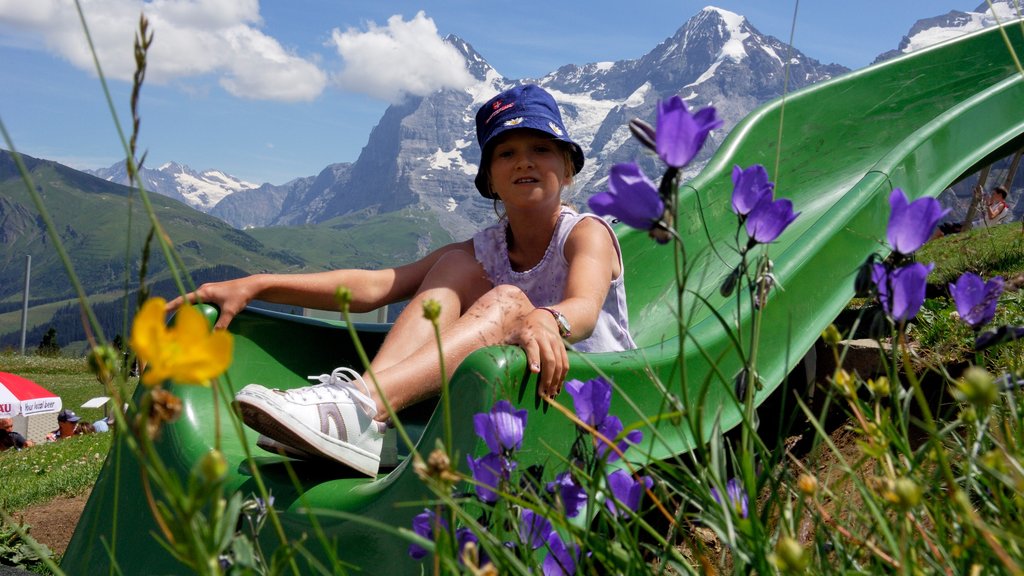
{"points": [[543, 275], [11, 439]]}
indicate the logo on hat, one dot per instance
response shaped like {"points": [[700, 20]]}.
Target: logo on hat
{"points": [[554, 128], [498, 109], [513, 122]]}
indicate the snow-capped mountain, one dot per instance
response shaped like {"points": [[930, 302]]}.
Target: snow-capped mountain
{"points": [[423, 152], [201, 190], [930, 31]]}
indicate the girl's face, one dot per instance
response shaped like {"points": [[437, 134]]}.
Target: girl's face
{"points": [[528, 169]]}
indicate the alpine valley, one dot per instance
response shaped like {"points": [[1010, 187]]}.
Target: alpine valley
{"points": [[413, 179]]}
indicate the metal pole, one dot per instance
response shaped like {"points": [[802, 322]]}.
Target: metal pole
{"points": [[24, 302]]}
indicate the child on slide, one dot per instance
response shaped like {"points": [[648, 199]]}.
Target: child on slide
{"points": [[543, 275]]}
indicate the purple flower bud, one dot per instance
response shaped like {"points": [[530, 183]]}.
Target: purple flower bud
{"points": [[592, 399], [626, 491], [769, 218], [501, 428], [489, 472], [976, 299], [911, 225], [423, 525], [750, 187], [737, 497], [1000, 335], [680, 135], [902, 291], [632, 198]]}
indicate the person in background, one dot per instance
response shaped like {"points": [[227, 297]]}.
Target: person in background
{"points": [[11, 439], [67, 426], [997, 211]]}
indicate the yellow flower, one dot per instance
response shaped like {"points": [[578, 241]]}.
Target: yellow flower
{"points": [[186, 352]]}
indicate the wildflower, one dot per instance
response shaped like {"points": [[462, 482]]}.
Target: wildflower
{"points": [[432, 310], [845, 382], [187, 352], [681, 135], [562, 559], [423, 525], [790, 556], [159, 407], [437, 466], [488, 472], [911, 224], [738, 501], [591, 399], [572, 494], [901, 291], [632, 198], [1001, 335], [831, 335], [769, 219], [807, 484], [611, 428], [879, 386], [976, 299], [534, 529], [626, 491], [212, 466], [501, 428], [976, 386], [750, 187]]}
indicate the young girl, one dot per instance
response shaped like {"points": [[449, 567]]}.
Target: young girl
{"points": [[542, 276]]}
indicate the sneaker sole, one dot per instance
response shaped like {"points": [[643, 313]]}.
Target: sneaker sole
{"points": [[269, 420], [388, 455]]}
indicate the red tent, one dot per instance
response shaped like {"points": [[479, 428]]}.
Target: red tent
{"points": [[21, 396]]}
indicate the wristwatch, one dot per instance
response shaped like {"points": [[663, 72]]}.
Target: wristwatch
{"points": [[564, 328]]}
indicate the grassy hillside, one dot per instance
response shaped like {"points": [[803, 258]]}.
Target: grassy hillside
{"points": [[99, 223]]}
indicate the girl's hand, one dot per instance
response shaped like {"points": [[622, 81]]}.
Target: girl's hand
{"points": [[545, 351], [231, 297]]}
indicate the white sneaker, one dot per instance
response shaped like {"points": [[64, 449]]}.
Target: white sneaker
{"points": [[388, 452], [333, 419]]}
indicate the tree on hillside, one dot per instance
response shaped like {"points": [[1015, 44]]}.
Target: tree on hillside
{"points": [[48, 345]]}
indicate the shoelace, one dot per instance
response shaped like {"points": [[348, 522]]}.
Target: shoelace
{"points": [[342, 380]]}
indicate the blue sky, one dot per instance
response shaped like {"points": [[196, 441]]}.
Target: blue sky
{"points": [[271, 91]]}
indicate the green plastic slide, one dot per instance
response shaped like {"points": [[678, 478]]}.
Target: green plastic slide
{"points": [[836, 149]]}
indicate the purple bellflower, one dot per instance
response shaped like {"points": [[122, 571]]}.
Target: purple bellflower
{"points": [[572, 494], [768, 219], [561, 561], [912, 224], [501, 428], [610, 428], [423, 525], [750, 187], [901, 291], [680, 135], [1000, 335], [534, 529], [632, 198], [976, 299], [626, 491], [592, 399], [489, 471], [738, 501]]}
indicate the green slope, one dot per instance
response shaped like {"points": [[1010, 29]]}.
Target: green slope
{"points": [[917, 122]]}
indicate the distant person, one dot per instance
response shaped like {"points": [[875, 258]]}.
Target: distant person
{"points": [[11, 439], [996, 210], [102, 425], [67, 425], [542, 275]]}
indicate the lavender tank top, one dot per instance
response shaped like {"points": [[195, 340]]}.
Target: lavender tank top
{"points": [[544, 284]]}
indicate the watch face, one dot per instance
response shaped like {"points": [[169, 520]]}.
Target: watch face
{"points": [[563, 325]]}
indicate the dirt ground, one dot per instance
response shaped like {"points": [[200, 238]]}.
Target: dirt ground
{"points": [[54, 522]]}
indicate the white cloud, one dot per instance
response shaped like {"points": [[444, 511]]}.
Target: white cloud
{"points": [[191, 38], [401, 58]]}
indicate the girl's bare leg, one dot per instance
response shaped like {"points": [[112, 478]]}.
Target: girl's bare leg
{"points": [[456, 281], [487, 322]]}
